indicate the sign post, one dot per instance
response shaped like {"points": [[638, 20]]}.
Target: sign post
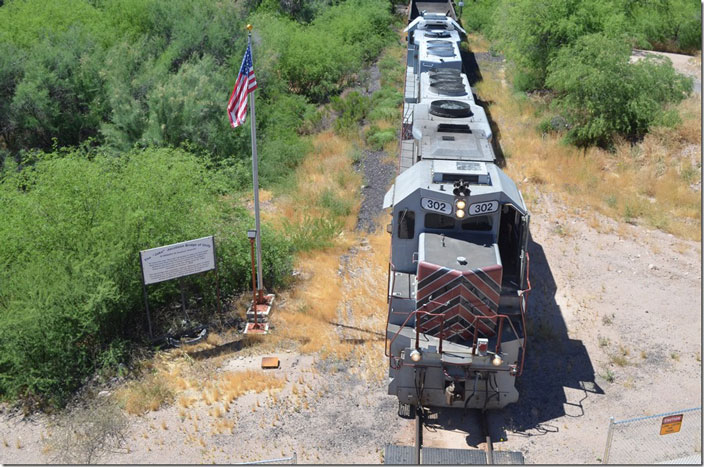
{"points": [[175, 262]]}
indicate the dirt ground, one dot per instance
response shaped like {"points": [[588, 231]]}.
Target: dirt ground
{"points": [[615, 330]]}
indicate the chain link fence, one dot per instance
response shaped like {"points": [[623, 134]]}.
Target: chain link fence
{"points": [[283, 460], [668, 438]]}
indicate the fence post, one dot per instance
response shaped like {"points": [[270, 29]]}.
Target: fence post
{"points": [[609, 435]]}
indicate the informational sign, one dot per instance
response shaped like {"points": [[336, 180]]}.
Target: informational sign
{"points": [[671, 424], [180, 259]]}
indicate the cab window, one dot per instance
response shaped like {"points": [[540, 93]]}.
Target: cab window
{"points": [[439, 221], [406, 224], [477, 224]]}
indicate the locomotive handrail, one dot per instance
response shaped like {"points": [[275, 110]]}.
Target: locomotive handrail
{"points": [[420, 311], [521, 293]]}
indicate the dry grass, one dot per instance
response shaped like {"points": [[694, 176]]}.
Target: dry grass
{"points": [[650, 183], [620, 358], [234, 384], [146, 394], [327, 167], [478, 43], [85, 433]]}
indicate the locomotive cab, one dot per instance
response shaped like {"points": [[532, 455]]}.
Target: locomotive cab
{"points": [[456, 278]]}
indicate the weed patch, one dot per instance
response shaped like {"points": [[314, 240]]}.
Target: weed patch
{"points": [[84, 434], [146, 394]]}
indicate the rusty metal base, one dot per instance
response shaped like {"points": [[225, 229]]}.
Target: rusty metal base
{"points": [[263, 309], [262, 328]]}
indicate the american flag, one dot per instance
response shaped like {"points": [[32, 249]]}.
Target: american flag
{"points": [[246, 83]]}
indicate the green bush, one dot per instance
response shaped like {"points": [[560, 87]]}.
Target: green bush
{"points": [[532, 32], [336, 205], [377, 138], [478, 15], [355, 32], [673, 25], [602, 94], [69, 271], [386, 105], [352, 110], [313, 233]]}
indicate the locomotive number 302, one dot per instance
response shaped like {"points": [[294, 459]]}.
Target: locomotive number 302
{"points": [[435, 205], [483, 208]]}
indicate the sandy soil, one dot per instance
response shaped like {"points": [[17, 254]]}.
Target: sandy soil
{"points": [[640, 290], [621, 290]]}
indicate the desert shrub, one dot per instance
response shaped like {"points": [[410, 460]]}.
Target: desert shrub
{"points": [[137, 73], [54, 93], [146, 394], [26, 22], [386, 104], [86, 433], [392, 72], [352, 110], [479, 15], [532, 32], [673, 25], [377, 138], [354, 32], [602, 94], [188, 106], [313, 233], [73, 225], [336, 205]]}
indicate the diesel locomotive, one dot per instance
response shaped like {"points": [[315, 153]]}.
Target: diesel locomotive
{"points": [[458, 273]]}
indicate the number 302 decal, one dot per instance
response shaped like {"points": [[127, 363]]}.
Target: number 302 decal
{"points": [[483, 208], [435, 205]]}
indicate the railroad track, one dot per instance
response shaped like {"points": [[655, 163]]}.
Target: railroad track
{"points": [[420, 454], [486, 435]]}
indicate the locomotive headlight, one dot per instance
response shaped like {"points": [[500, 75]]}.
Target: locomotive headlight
{"points": [[416, 356], [459, 213], [460, 204], [497, 361]]}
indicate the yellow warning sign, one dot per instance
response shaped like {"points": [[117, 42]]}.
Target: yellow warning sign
{"points": [[671, 424]]}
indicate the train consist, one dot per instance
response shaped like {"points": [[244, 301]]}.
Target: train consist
{"points": [[458, 276]]}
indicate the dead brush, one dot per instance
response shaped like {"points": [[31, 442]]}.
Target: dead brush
{"points": [[144, 395], [85, 434], [236, 383]]}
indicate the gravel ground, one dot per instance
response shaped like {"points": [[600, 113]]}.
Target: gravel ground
{"points": [[378, 176]]}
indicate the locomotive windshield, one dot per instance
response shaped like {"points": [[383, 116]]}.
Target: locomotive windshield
{"points": [[442, 222], [477, 224]]}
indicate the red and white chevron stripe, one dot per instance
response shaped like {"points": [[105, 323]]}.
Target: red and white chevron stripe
{"points": [[459, 298]]}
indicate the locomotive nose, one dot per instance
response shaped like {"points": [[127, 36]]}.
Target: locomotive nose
{"points": [[459, 285]]}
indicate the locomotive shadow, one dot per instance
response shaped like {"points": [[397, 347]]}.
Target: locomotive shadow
{"points": [[553, 361], [474, 76]]}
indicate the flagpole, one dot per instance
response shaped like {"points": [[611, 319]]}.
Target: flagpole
{"points": [[255, 177]]}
